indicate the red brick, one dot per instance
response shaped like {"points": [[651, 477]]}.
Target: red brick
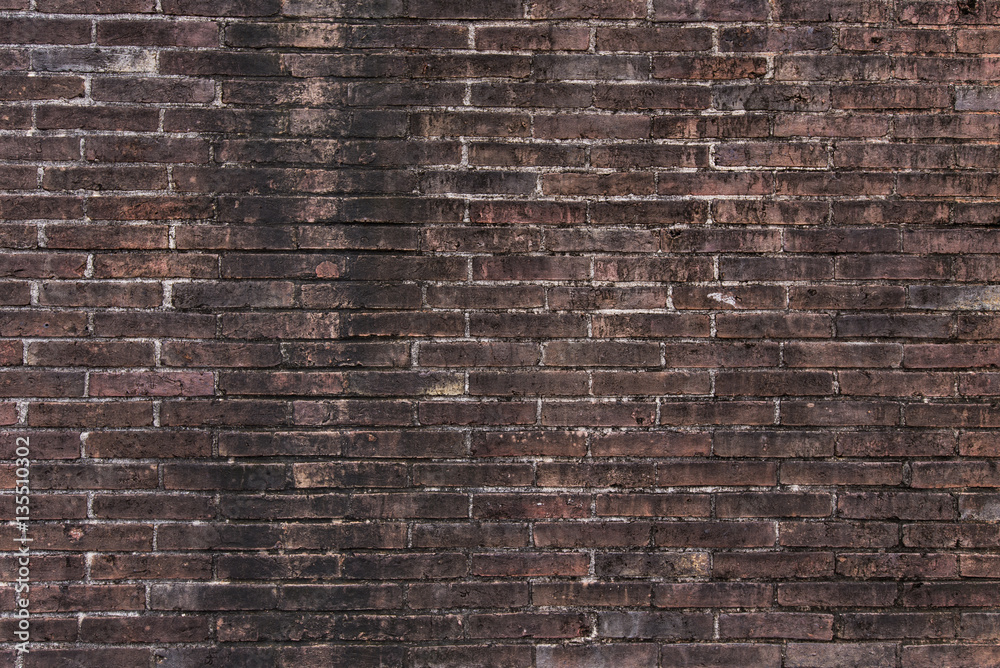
{"points": [[719, 655], [960, 656], [526, 625], [896, 505], [641, 655], [172, 629], [697, 10], [717, 413], [643, 39], [896, 444], [728, 297], [571, 38], [583, 126], [602, 354], [777, 504], [800, 626], [955, 474], [897, 566], [650, 383], [479, 595], [434, 656], [598, 298], [651, 444], [714, 534], [716, 594], [827, 655], [521, 564], [773, 444], [590, 594], [708, 67], [837, 534], [977, 444], [470, 535], [761, 565], [865, 355], [96, 655], [841, 473], [77, 414], [766, 325], [636, 269], [516, 444], [498, 506], [625, 414]]}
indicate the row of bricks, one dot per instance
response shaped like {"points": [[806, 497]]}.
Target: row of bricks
{"points": [[400, 153], [598, 473], [771, 382], [494, 655], [32, 383], [554, 625], [549, 413], [290, 180], [424, 444], [312, 325], [33, 29], [285, 214], [621, 269], [197, 597], [387, 534], [537, 68], [277, 627], [101, 31], [386, 124], [911, 12], [511, 243], [678, 268], [500, 354], [418, 565], [767, 95], [519, 504], [278, 294]]}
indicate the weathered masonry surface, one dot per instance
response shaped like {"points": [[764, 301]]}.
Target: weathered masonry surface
{"points": [[508, 334]]}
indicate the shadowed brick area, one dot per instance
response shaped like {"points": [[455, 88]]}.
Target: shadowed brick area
{"points": [[503, 334]]}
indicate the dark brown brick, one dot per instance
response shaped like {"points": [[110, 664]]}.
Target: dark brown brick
{"points": [[719, 654], [800, 626]]}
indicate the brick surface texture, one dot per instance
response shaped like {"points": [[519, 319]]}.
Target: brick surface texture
{"points": [[502, 333]]}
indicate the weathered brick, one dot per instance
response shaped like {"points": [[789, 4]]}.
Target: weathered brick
{"points": [[522, 625], [174, 629], [698, 10], [901, 505], [660, 38], [800, 626], [717, 534], [773, 444], [780, 504], [825, 655], [775, 39], [900, 566], [717, 413], [896, 384], [496, 656], [637, 654], [529, 564], [837, 534], [603, 534], [718, 655]]}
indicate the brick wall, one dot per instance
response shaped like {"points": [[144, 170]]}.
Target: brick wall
{"points": [[553, 333]]}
